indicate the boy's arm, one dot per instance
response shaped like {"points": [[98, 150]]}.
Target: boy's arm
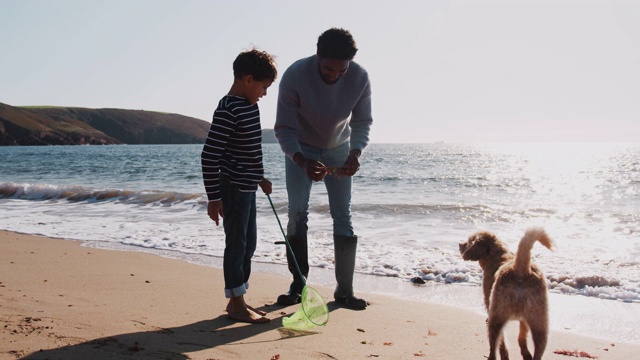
{"points": [[221, 128]]}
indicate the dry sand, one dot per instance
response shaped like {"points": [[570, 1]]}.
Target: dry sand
{"points": [[60, 300]]}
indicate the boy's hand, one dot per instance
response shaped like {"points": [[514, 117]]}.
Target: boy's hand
{"points": [[266, 186], [214, 209]]}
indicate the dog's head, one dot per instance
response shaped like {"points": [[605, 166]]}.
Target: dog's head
{"points": [[482, 245]]}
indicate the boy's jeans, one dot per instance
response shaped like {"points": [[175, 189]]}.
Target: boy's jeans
{"points": [[240, 230], [338, 190]]}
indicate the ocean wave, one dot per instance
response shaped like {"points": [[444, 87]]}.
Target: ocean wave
{"points": [[73, 193], [403, 209], [589, 286]]}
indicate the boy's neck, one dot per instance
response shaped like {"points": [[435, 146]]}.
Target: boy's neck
{"points": [[237, 90]]}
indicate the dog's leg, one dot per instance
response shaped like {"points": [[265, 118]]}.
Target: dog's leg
{"points": [[504, 354], [496, 339], [522, 341], [539, 335]]}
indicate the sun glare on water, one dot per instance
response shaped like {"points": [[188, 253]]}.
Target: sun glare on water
{"points": [[584, 183], [570, 170]]}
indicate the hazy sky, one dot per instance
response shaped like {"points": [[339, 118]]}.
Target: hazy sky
{"points": [[456, 71]]}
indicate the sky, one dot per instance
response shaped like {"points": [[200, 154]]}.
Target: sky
{"points": [[452, 71]]}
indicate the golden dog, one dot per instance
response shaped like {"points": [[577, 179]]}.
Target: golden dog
{"points": [[514, 289]]}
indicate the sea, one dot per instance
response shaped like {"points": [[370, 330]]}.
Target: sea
{"points": [[412, 205]]}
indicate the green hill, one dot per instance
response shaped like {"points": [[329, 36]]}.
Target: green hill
{"points": [[48, 125], [82, 126]]}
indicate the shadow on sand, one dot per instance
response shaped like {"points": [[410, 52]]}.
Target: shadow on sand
{"points": [[171, 343]]}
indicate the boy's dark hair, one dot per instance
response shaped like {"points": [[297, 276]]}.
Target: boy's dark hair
{"points": [[259, 64], [337, 44]]}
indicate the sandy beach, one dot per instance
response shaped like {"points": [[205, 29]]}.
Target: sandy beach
{"points": [[60, 300]]}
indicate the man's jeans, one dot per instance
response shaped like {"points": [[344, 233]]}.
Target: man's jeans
{"points": [[338, 189], [240, 230]]}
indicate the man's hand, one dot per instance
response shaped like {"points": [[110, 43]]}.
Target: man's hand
{"points": [[315, 169], [352, 164], [266, 186], [214, 209]]}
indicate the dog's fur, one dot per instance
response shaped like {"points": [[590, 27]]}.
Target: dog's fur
{"points": [[514, 289]]}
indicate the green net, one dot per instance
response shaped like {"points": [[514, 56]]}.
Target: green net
{"points": [[313, 312]]}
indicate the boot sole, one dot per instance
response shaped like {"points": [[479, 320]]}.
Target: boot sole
{"points": [[287, 299]]}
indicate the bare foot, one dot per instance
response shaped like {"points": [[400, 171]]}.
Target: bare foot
{"points": [[237, 309], [257, 311], [236, 303], [248, 316]]}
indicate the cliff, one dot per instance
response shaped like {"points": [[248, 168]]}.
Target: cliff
{"points": [[39, 125], [81, 126]]}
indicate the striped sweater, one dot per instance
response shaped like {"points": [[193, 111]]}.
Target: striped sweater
{"points": [[233, 147]]}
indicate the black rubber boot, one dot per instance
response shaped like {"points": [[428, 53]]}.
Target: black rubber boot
{"points": [[345, 257], [299, 246]]}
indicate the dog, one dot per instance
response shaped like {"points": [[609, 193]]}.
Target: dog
{"points": [[514, 289]]}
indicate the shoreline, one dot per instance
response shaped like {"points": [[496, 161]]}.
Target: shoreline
{"points": [[573, 314], [59, 299]]}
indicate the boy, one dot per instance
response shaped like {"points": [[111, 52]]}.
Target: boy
{"points": [[232, 170]]}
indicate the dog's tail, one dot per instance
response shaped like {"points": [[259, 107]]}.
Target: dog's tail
{"points": [[523, 257]]}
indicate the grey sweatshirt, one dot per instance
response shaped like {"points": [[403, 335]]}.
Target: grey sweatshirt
{"points": [[323, 115]]}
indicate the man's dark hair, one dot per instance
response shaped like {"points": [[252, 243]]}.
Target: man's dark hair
{"points": [[259, 64], [337, 44]]}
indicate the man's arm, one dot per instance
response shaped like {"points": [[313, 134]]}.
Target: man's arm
{"points": [[361, 120], [286, 127]]}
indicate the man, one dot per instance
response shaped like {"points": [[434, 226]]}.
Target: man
{"points": [[322, 124]]}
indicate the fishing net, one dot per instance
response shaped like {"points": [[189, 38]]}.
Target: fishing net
{"points": [[313, 310]]}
